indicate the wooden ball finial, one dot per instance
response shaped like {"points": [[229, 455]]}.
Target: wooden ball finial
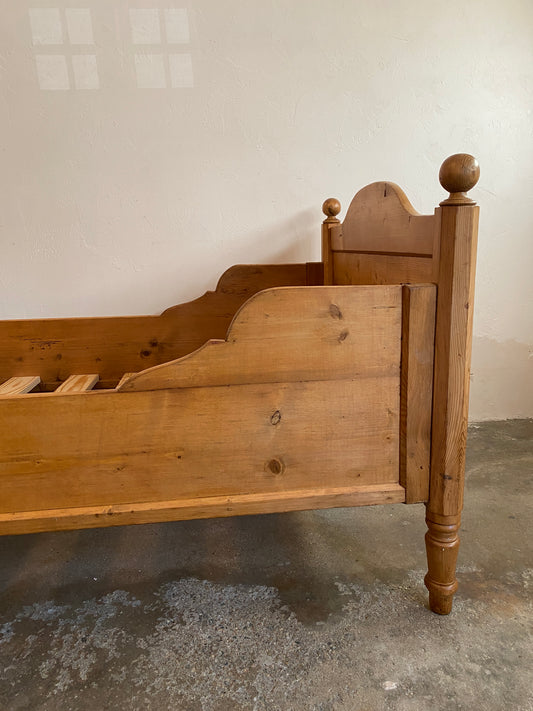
{"points": [[331, 208], [458, 174]]}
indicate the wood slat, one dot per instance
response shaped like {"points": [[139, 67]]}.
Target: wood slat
{"points": [[78, 383], [19, 385]]}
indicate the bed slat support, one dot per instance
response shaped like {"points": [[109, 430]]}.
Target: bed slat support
{"points": [[123, 379]]}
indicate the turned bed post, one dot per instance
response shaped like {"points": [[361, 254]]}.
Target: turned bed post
{"points": [[330, 227], [458, 219]]}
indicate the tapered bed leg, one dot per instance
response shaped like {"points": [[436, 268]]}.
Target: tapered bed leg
{"points": [[442, 546], [458, 218]]}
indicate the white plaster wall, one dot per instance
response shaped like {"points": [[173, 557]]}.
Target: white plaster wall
{"points": [[122, 200]]}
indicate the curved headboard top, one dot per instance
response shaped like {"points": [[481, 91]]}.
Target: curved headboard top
{"points": [[381, 219], [383, 239]]}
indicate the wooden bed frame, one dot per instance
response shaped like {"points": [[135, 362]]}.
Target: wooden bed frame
{"points": [[300, 386]]}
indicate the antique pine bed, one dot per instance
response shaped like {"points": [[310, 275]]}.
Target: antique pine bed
{"points": [[300, 386]]}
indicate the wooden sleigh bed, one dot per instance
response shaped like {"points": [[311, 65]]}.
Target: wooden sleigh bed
{"points": [[300, 386]]}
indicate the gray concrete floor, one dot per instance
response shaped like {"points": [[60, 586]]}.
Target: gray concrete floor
{"points": [[322, 610]]}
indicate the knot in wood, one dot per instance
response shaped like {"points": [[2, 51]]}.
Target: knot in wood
{"points": [[334, 311], [275, 418], [275, 466]]}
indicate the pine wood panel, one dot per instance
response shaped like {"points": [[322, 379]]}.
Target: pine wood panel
{"points": [[352, 268], [294, 333], [418, 337], [104, 448], [381, 219], [57, 348]]}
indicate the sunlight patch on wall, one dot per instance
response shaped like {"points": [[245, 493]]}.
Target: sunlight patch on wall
{"points": [[63, 29], [158, 30], [66, 57]]}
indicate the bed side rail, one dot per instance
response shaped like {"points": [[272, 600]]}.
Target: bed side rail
{"points": [[55, 349]]}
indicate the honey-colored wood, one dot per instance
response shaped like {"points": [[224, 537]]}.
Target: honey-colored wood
{"points": [[383, 240], [315, 273], [194, 437], [330, 228], [442, 548], [290, 334], [78, 383], [19, 385], [152, 446], [199, 507], [353, 268], [338, 383], [453, 341], [56, 348], [458, 174], [381, 219], [418, 337], [123, 379]]}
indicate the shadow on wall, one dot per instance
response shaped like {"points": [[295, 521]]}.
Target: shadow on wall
{"points": [[501, 380], [294, 239], [290, 241], [121, 282]]}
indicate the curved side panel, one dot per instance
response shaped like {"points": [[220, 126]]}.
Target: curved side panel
{"points": [[381, 219], [244, 280], [54, 349], [294, 334]]}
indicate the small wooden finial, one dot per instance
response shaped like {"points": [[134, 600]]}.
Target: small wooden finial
{"points": [[458, 174], [331, 209]]}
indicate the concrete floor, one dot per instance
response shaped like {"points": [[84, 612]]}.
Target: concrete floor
{"points": [[322, 610]]}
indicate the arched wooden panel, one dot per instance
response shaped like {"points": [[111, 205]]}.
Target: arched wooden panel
{"points": [[383, 239], [381, 219]]}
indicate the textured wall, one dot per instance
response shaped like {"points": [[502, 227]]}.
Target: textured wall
{"points": [[149, 145]]}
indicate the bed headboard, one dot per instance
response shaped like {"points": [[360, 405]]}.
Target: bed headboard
{"points": [[383, 239]]}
